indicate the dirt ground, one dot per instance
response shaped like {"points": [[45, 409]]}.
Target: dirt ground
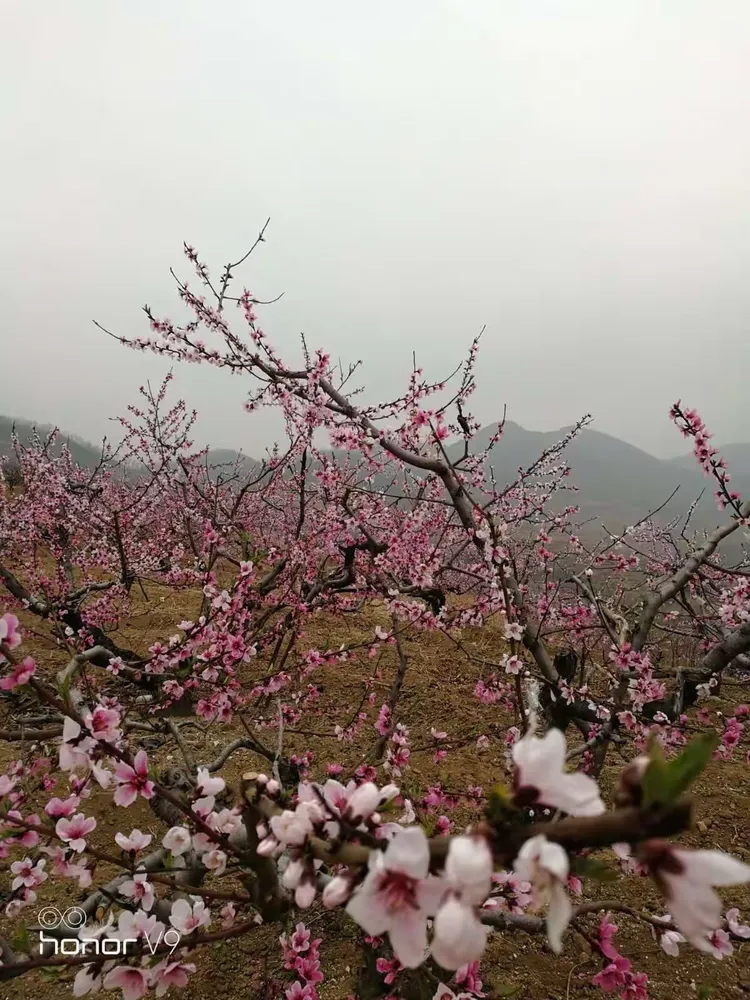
{"points": [[437, 692]]}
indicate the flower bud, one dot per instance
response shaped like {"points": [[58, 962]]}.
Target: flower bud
{"points": [[273, 788], [363, 802], [629, 791], [267, 846], [337, 892], [292, 874], [388, 792], [469, 867], [459, 936], [304, 894]]}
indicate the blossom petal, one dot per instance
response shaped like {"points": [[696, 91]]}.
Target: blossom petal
{"points": [[365, 908], [713, 867], [408, 934], [538, 759], [409, 853], [577, 794], [695, 909], [552, 857], [558, 915], [430, 893]]}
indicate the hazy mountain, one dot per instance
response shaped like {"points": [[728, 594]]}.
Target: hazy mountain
{"points": [[737, 456], [617, 483], [87, 454], [83, 452]]}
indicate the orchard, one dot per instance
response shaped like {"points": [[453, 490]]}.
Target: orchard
{"points": [[588, 676]]}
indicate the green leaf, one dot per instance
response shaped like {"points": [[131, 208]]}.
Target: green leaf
{"points": [[692, 761], [655, 784], [594, 868], [499, 804], [665, 781], [52, 975], [22, 941], [507, 991], [705, 992]]}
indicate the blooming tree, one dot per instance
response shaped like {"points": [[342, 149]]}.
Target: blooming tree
{"points": [[386, 505]]}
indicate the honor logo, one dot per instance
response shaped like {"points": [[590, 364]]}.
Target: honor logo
{"points": [[79, 943]]}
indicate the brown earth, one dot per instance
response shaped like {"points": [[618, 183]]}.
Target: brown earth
{"points": [[437, 692]]}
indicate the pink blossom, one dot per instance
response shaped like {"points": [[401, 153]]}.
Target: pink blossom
{"points": [[468, 976], [363, 802], [300, 940], [206, 785], [58, 807], [176, 840], [291, 827], [398, 895], [388, 968], [299, 992], [87, 980], [7, 784], [133, 780], [138, 925], [137, 841], [103, 723], [215, 860], [734, 925], [614, 975], [468, 869], [75, 830], [20, 674], [720, 944], [132, 981], [685, 878], [513, 630], [670, 942], [27, 874], [186, 918], [140, 890], [74, 747], [383, 723], [513, 664], [9, 631], [540, 778], [169, 973], [545, 865], [337, 891], [607, 931], [636, 987], [459, 936]]}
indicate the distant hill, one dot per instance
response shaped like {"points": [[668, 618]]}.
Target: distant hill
{"points": [[617, 483], [83, 452], [87, 454], [737, 456]]}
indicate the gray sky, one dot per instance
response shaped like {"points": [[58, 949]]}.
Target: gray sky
{"points": [[574, 175]]}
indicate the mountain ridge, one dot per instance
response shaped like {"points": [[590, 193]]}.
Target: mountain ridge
{"points": [[615, 481]]}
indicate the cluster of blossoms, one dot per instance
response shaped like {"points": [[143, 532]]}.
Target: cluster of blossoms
{"points": [[265, 553], [617, 976], [301, 957]]}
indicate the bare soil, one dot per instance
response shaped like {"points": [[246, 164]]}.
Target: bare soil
{"points": [[437, 692]]}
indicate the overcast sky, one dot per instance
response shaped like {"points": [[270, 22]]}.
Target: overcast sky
{"points": [[574, 175]]}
